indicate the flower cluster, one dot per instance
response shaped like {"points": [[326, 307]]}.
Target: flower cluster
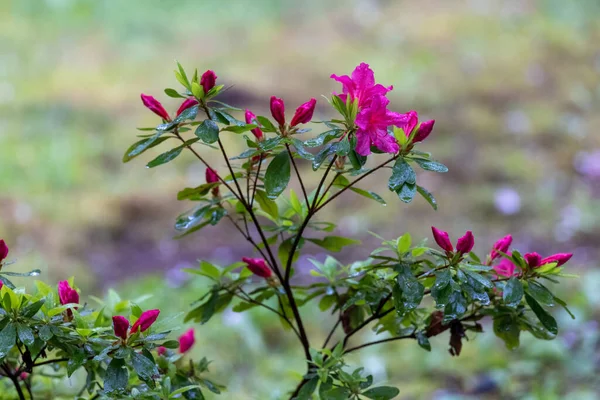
{"points": [[303, 114], [142, 324]]}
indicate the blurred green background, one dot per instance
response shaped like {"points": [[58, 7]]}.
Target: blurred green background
{"points": [[514, 87]]}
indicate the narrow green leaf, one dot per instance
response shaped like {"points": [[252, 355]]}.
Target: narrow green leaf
{"points": [[334, 243], [277, 175], [208, 131], [545, 318]]}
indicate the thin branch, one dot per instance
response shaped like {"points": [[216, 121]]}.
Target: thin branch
{"points": [[235, 181], [287, 146], [351, 349], [331, 332], [356, 181], [256, 180]]}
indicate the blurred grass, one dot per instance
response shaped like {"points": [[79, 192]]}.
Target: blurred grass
{"points": [[514, 87]]}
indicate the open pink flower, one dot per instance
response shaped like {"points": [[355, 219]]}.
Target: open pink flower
{"points": [[208, 80], [304, 113], [120, 326], [251, 119], [501, 245], [3, 250], [506, 268], [423, 131], [258, 266], [361, 85], [145, 321], [154, 105], [187, 103], [186, 341], [560, 259], [372, 123]]}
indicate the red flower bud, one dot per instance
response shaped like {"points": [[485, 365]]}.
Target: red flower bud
{"points": [[304, 113], [145, 321], [187, 103], [161, 350], [424, 130], [120, 326], [533, 259], [560, 258], [251, 119], [442, 239], [258, 266], [23, 376], [278, 110], [501, 245], [207, 80], [154, 105], [465, 244], [1, 284], [3, 250], [186, 341], [67, 294], [211, 176]]}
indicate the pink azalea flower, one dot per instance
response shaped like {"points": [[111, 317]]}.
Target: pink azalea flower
{"points": [[258, 266], [533, 259], [442, 239], [501, 245], [208, 80], [506, 268], [465, 244], [186, 341], [372, 125], [3, 250], [251, 119], [145, 321], [120, 326], [361, 85], [304, 113], [161, 350], [154, 105], [187, 103], [67, 294], [560, 259]]}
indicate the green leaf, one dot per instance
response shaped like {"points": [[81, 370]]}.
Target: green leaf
{"points": [[479, 278], [402, 173], [324, 138], [286, 247], [423, 341], [270, 144], [30, 310], [277, 176], [266, 204], [239, 128], [143, 366], [430, 165], [116, 376], [302, 152], [334, 243], [540, 293], [208, 131], [456, 307], [410, 290], [174, 93], [265, 124], [404, 243], [165, 157], [545, 318], [339, 393], [139, 147], [322, 155], [381, 393], [407, 192], [308, 389], [8, 339], [513, 292], [196, 193], [25, 334], [427, 196], [507, 329]]}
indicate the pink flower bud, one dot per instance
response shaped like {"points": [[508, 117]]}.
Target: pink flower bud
{"points": [[560, 259], [506, 268], [465, 244], [412, 119], [533, 259], [187, 103], [424, 130], [501, 245], [211, 176], [145, 321], [251, 119], [120, 326], [1, 284], [161, 350], [207, 80], [442, 239], [3, 250], [23, 376], [278, 110], [304, 113], [258, 266], [67, 294], [154, 105], [186, 341]]}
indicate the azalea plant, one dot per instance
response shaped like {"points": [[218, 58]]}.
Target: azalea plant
{"points": [[46, 336], [405, 290]]}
